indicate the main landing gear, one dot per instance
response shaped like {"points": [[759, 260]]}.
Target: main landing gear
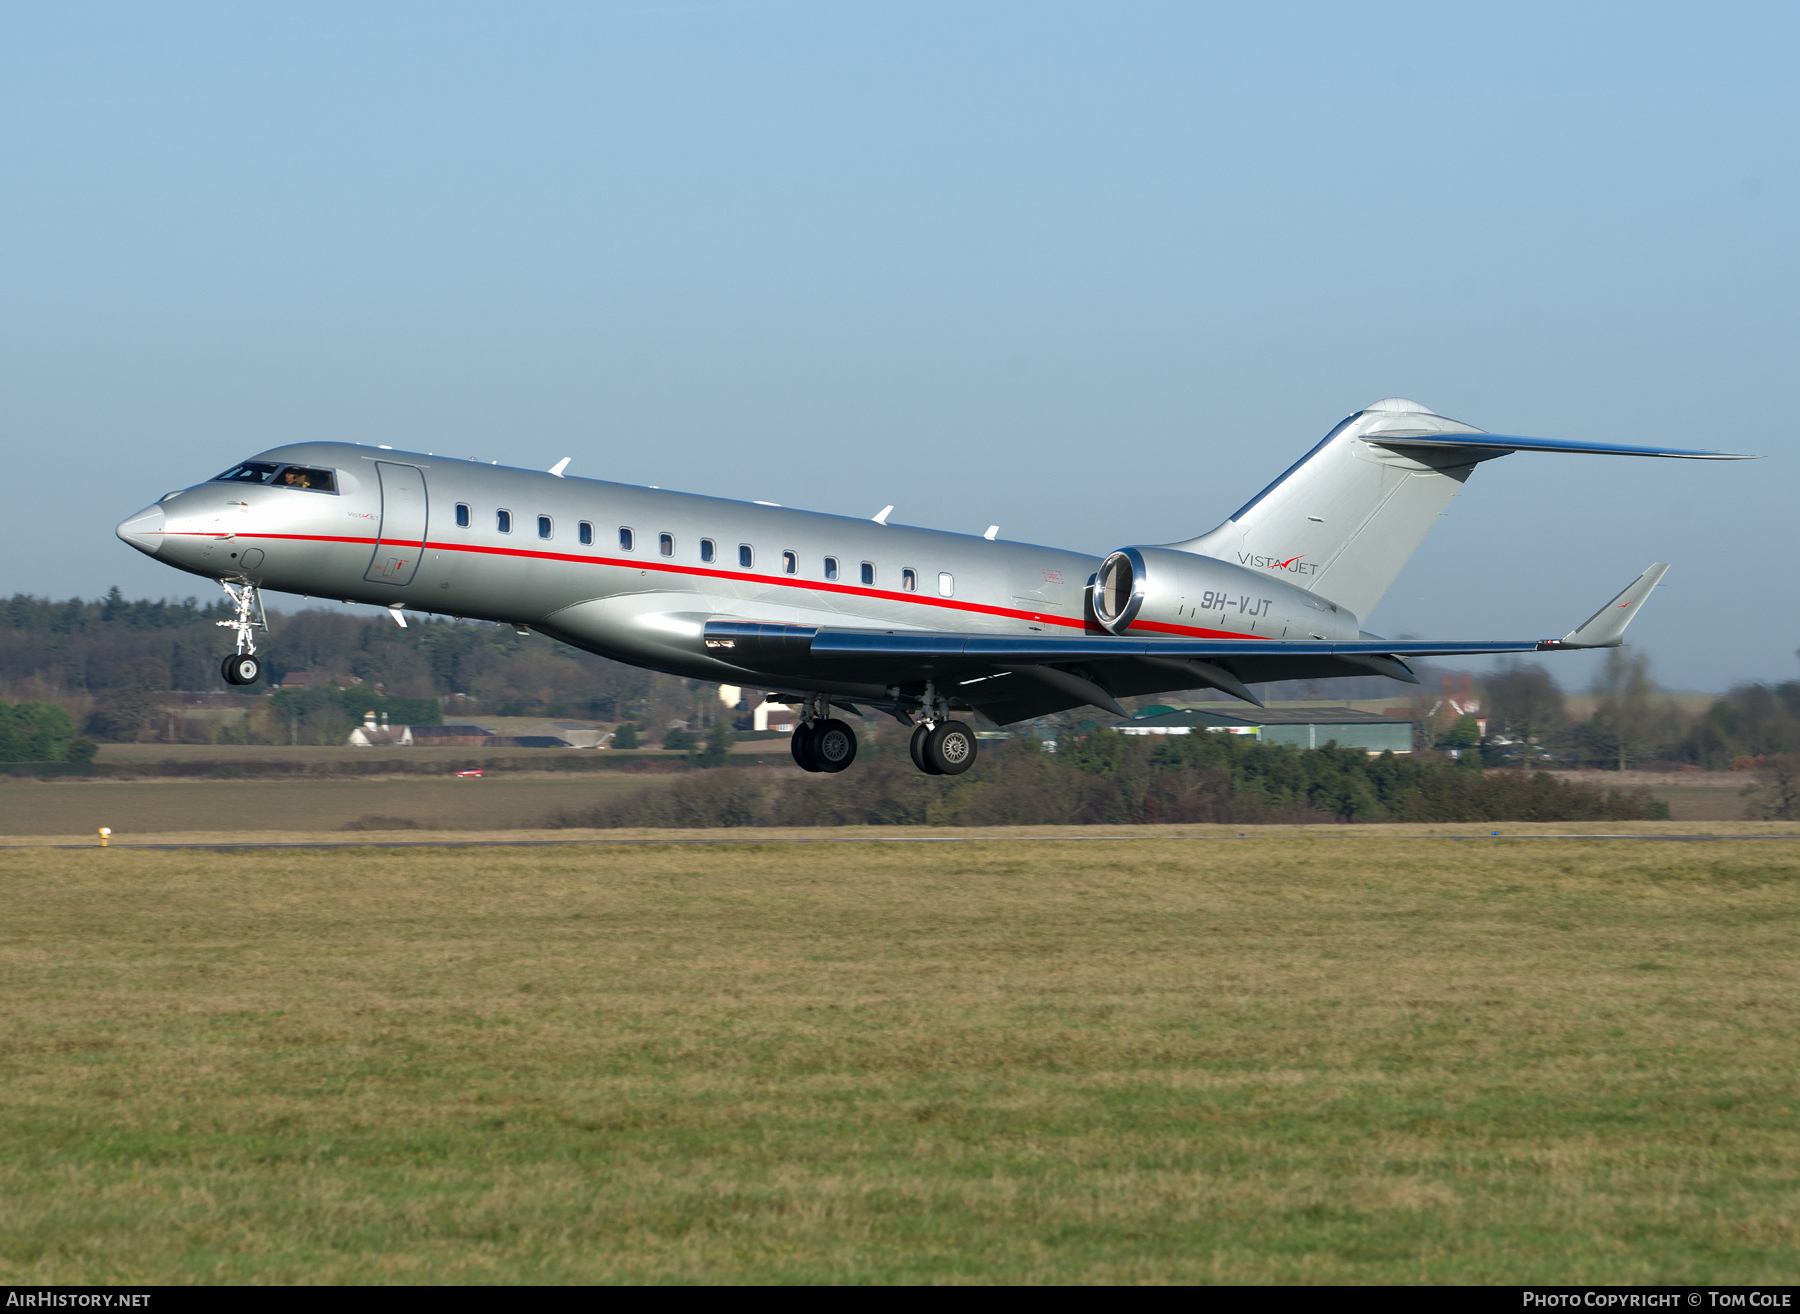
{"points": [[944, 749], [822, 742], [243, 666], [939, 746]]}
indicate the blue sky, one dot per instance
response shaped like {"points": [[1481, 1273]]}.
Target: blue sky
{"points": [[1095, 273]]}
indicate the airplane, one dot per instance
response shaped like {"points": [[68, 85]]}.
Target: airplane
{"points": [[832, 613]]}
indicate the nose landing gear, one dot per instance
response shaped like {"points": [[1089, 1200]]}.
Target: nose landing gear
{"points": [[243, 666]]}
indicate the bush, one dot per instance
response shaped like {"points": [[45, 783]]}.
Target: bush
{"points": [[678, 740], [1115, 779], [717, 748], [626, 736], [38, 732]]}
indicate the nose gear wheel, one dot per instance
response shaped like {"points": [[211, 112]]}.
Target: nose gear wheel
{"points": [[243, 669]]}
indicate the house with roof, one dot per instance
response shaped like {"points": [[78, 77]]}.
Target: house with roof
{"points": [[1299, 727]]}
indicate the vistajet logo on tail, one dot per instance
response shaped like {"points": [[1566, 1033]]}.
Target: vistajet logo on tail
{"points": [[1293, 565]]}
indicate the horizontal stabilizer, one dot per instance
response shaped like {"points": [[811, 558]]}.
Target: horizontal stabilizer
{"points": [[1511, 443], [1344, 519], [1606, 627]]}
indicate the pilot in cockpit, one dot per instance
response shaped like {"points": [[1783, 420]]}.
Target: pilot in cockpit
{"points": [[292, 477]]}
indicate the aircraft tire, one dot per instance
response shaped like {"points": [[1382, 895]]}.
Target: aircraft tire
{"points": [[833, 745], [951, 748], [241, 669], [801, 747], [916, 747]]}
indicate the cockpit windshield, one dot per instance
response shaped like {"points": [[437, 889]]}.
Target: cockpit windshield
{"points": [[280, 476], [306, 476], [250, 472]]}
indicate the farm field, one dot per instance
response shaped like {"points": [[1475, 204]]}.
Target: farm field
{"points": [[153, 807], [506, 798], [1289, 1057], [133, 754]]}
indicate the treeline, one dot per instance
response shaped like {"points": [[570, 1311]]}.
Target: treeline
{"points": [[1632, 722], [1109, 778], [113, 663], [106, 662]]}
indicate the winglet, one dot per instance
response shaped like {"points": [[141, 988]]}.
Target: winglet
{"points": [[1606, 627]]}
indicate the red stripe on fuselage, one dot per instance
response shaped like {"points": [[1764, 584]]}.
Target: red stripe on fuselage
{"points": [[786, 581]]}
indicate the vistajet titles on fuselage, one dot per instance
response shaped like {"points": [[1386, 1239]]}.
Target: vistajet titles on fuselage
{"points": [[830, 612]]}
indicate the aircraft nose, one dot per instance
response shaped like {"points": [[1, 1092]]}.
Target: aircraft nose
{"points": [[144, 531]]}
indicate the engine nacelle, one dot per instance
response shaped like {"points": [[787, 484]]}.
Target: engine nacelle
{"points": [[1166, 591]]}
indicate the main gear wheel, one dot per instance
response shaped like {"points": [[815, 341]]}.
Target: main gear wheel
{"points": [[950, 748], [241, 668], [832, 745]]}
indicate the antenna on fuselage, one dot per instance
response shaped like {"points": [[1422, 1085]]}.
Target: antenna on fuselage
{"points": [[560, 466], [881, 516], [991, 531]]}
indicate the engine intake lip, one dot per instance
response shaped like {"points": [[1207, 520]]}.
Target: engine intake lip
{"points": [[1119, 589]]}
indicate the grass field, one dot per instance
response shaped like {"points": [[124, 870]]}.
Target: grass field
{"points": [[148, 807], [1281, 1058]]}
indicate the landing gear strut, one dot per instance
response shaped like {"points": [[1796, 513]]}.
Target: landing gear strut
{"points": [[243, 666]]}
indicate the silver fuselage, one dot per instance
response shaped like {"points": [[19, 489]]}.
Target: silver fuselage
{"points": [[647, 604]]}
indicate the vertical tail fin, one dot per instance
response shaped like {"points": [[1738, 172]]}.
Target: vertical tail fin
{"points": [[1345, 518]]}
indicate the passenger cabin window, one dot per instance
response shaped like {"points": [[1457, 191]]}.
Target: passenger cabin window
{"points": [[706, 549], [830, 567], [790, 564], [503, 521], [665, 544], [869, 574], [586, 534], [626, 538], [280, 476], [462, 515], [746, 556], [909, 580], [946, 585], [543, 526]]}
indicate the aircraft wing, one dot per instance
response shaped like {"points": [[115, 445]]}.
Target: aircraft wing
{"points": [[752, 642], [1012, 677]]}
